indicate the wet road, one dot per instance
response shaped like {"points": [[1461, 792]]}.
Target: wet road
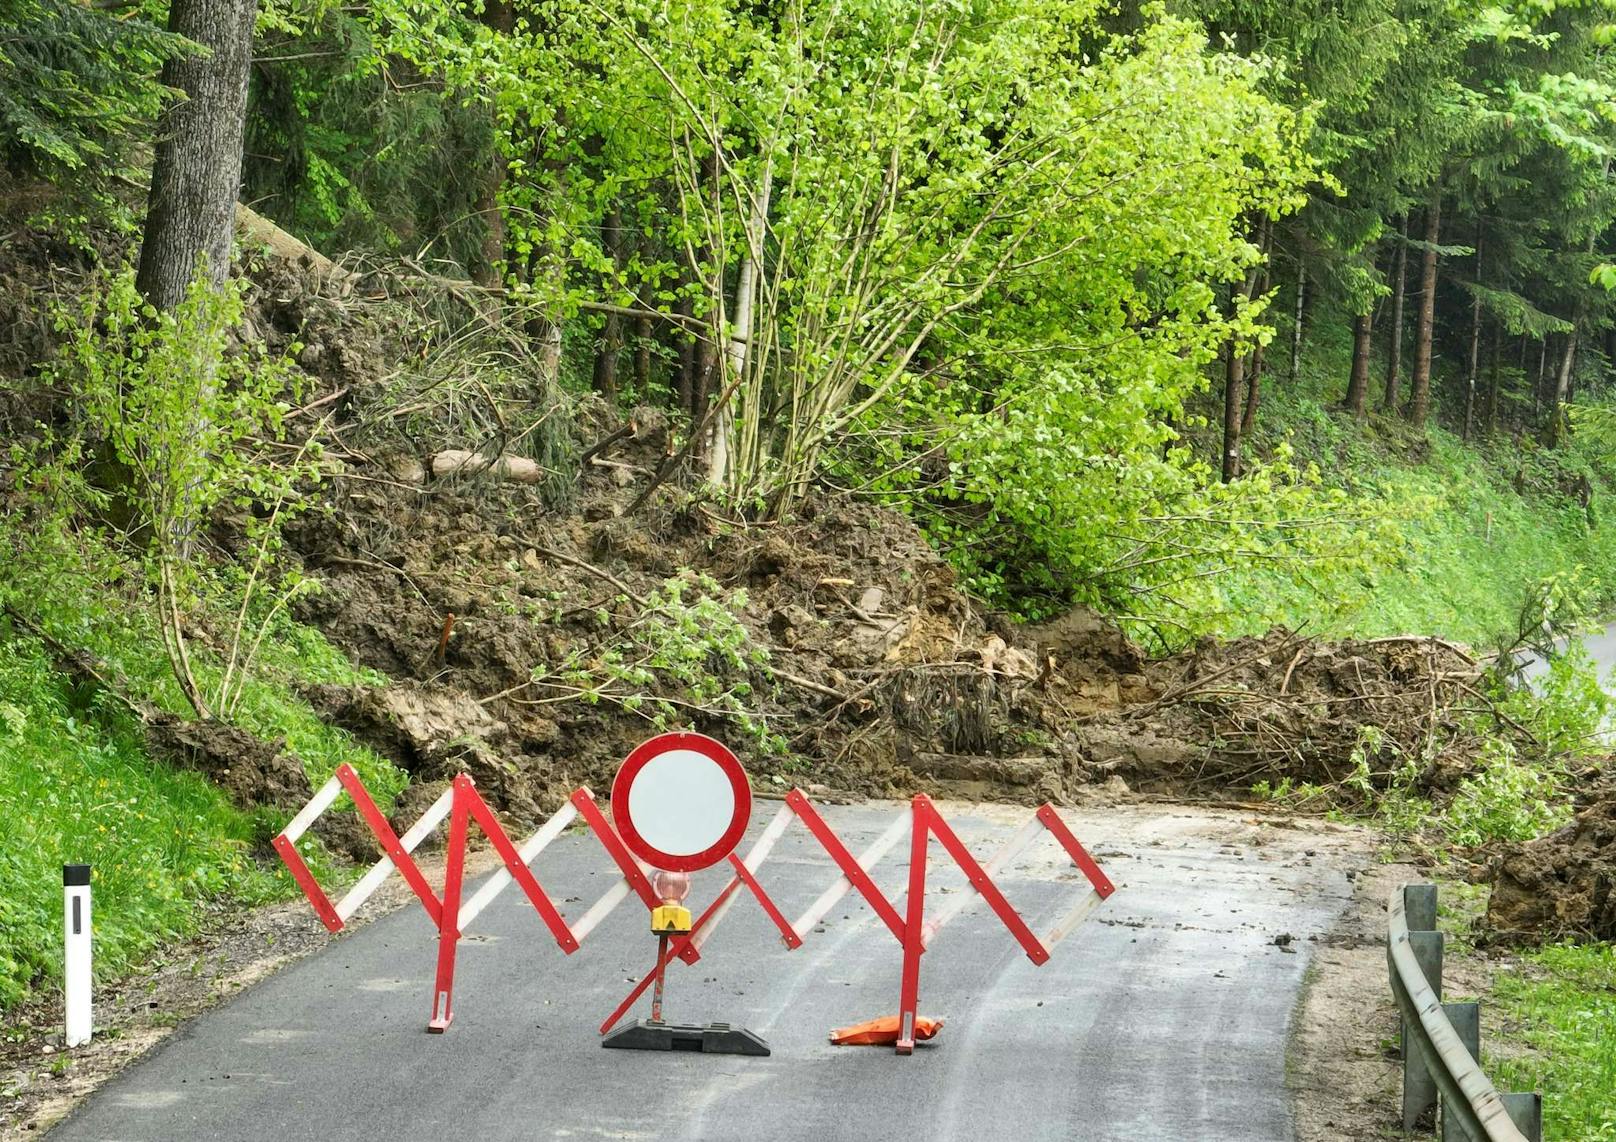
{"points": [[1164, 1017]]}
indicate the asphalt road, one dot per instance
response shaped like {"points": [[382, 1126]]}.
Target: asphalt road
{"points": [[1164, 1017]]}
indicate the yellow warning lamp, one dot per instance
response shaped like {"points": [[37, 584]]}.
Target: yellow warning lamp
{"points": [[671, 917]]}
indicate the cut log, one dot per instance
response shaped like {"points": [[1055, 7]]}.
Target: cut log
{"points": [[458, 462]]}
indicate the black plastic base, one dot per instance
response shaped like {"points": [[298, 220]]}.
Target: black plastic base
{"points": [[713, 1039]]}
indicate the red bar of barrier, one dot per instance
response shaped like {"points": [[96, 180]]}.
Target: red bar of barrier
{"points": [[914, 941], [523, 876], [1080, 856], [927, 816], [448, 928], [793, 941], [305, 880], [845, 860], [391, 845]]}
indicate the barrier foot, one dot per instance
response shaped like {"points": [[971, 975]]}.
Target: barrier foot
{"points": [[713, 1039], [439, 1026]]}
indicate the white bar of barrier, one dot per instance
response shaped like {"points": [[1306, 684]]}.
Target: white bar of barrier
{"points": [[597, 912], [310, 813], [382, 869], [1008, 852], [755, 857], [867, 860], [529, 852], [1089, 902]]}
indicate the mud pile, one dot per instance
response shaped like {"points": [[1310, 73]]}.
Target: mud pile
{"points": [[1562, 885], [1231, 714]]}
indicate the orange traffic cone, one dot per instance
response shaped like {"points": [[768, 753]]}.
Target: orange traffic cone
{"points": [[882, 1032]]}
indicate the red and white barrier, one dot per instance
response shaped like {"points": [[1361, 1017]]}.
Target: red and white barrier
{"points": [[461, 805]]}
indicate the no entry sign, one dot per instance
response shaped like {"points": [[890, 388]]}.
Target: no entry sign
{"points": [[681, 801]]}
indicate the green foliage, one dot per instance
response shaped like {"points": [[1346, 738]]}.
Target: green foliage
{"points": [[1505, 800], [349, 149], [681, 658], [75, 81], [1565, 706], [1563, 1005], [190, 424]]}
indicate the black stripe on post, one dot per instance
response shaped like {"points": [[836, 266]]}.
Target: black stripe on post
{"points": [[75, 875]]}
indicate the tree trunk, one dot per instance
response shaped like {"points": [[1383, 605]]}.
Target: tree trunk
{"points": [[1490, 417], [1394, 350], [1542, 374], [1296, 325], [1254, 368], [1562, 386], [1474, 365], [740, 338], [487, 269], [1254, 372], [611, 334], [1420, 405], [643, 334], [686, 378], [196, 172], [1233, 383], [1357, 399]]}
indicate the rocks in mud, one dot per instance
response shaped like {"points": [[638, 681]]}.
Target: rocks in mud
{"points": [[1559, 886]]}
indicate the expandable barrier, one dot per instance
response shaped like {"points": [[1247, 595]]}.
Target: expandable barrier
{"points": [[461, 805]]}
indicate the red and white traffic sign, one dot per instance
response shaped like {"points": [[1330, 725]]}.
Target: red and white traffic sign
{"points": [[681, 801]]}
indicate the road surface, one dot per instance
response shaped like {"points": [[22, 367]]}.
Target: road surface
{"points": [[1164, 1017]]}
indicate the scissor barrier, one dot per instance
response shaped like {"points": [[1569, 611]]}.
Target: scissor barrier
{"points": [[462, 805]]}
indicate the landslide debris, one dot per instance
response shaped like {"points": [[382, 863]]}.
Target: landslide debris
{"points": [[883, 676], [1560, 886]]}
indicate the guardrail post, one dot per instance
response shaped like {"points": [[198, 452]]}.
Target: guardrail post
{"points": [[1419, 908], [1526, 1112], [1466, 1020]]}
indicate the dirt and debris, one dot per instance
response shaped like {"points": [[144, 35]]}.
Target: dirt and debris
{"points": [[1560, 886]]}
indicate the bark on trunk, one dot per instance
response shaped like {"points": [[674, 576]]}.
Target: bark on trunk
{"points": [[1254, 372], [1394, 351], [1420, 404], [611, 334], [1357, 399], [1233, 382], [1562, 386], [196, 172]]}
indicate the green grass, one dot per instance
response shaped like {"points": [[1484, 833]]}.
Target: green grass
{"points": [[1473, 546], [76, 784], [1564, 1004]]}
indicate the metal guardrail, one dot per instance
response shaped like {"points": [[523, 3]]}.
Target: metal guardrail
{"points": [[1441, 1041]]}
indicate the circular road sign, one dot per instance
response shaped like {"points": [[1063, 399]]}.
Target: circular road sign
{"points": [[681, 801]]}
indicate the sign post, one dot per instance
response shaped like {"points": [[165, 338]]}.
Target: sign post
{"points": [[76, 932], [680, 802]]}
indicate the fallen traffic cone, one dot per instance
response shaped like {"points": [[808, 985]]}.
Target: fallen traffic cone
{"points": [[883, 1032]]}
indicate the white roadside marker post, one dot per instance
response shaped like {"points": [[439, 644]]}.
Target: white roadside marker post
{"points": [[76, 918]]}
